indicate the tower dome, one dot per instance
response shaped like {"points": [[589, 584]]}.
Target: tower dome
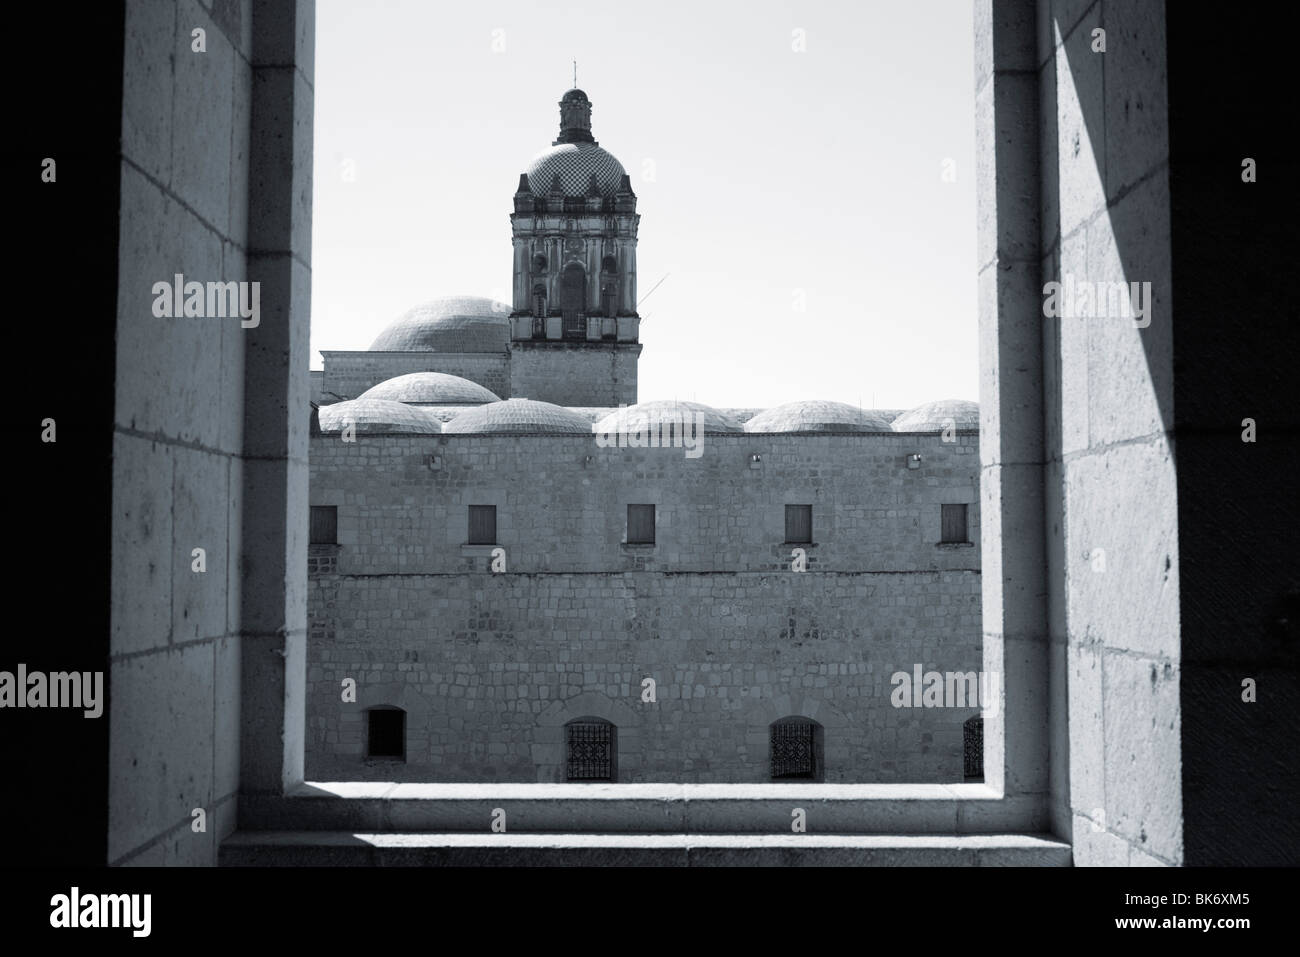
{"points": [[575, 160]]}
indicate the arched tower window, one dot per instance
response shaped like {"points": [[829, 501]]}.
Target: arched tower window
{"points": [[573, 287], [972, 737], [609, 286], [386, 733], [539, 300], [590, 750], [796, 748]]}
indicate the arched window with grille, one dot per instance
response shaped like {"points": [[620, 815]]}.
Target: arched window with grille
{"points": [[972, 736], [590, 750], [796, 749]]}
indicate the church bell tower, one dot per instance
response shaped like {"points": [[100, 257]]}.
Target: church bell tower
{"points": [[574, 292]]}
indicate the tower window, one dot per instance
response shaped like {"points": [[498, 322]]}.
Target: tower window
{"points": [[482, 525], [953, 520], [386, 733], [610, 265], [798, 524], [539, 263], [591, 750], [640, 524], [972, 737], [539, 300], [324, 525], [573, 291], [796, 746]]}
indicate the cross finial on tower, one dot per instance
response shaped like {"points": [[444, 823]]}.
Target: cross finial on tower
{"points": [[575, 74]]}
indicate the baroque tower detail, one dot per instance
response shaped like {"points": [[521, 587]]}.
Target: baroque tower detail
{"points": [[575, 235]]}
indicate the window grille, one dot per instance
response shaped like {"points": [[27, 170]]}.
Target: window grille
{"points": [[590, 752], [954, 523], [973, 748], [798, 524], [482, 525], [324, 525], [794, 750]]}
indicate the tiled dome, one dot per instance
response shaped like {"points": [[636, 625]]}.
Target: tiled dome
{"points": [[431, 388], [452, 324], [518, 415], [377, 415], [937, 416], [574, 163], [816, 415], [643, 415]]}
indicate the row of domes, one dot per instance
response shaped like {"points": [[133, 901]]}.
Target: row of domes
{"points": [[404, 404]]}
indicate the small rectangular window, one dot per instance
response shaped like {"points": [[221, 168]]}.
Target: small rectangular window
{"points": [[386, 733], [482, 525], [798, 524], [954, 524], [640, 524], [324, 525]]}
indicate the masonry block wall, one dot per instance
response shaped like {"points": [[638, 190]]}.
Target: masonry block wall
{"points": [[199, 457], [178, 439], [574, 374], [489, 666], [1112, 498]]}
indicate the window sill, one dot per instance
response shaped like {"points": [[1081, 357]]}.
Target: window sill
{"points": [[638, 546], [954, 545]]}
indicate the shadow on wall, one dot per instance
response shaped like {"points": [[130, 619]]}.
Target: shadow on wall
{"points": [[1217, 258]]}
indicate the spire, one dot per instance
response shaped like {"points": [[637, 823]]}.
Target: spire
{"points": [[575, 118]]}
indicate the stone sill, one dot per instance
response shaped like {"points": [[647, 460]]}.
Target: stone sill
{"points": [[638, 546], [954, 545], [393, 790], [652, 808], [353, 848]]}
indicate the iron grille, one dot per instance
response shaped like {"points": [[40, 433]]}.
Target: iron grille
{"points": [[794, 752], [973, 747], [590, 754], [953, 522]]}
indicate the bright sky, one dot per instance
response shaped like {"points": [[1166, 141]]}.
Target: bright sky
{"points": [[766, 178]]}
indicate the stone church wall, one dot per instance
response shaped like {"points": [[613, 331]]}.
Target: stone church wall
{"points": [[489, 666]]}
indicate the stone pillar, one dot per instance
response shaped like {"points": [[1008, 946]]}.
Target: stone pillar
{"points": [[273, 597], [523, 267]]}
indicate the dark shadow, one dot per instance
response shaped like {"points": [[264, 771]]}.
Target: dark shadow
{"points": [[1233, 317]]}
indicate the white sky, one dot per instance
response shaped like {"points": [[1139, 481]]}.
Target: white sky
{"points": [[773, 171]]}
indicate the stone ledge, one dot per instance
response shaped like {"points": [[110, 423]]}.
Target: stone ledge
{"points": [[664, 809], [343, 848]]}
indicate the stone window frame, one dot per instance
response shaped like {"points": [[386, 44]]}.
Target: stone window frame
{"points": [[1016, 795]]}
